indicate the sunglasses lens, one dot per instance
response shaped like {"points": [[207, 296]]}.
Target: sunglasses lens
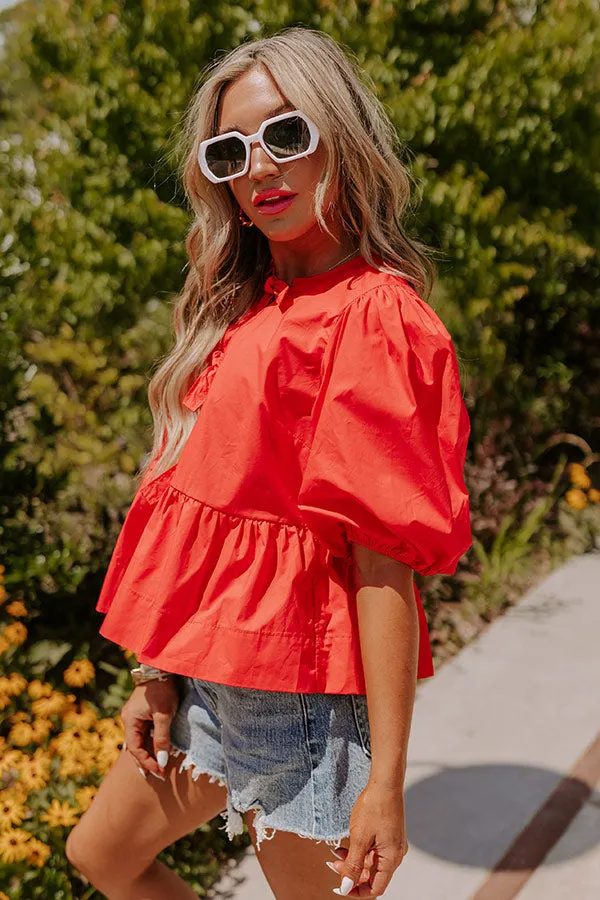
{"points": [[226, 158], [287, 137]]}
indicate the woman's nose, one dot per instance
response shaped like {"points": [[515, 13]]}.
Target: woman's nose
{"points": [[261, 163]]}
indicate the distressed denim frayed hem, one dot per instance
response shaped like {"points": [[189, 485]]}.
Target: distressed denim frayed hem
{"points": [[234, 823], [188, 763]]}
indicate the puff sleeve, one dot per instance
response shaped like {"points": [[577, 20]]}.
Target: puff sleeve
{"points": [[390, 428]]}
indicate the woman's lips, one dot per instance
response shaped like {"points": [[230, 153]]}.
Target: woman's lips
{"points": [[275, 206]]}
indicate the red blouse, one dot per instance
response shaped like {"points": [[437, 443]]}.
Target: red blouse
{"points": [[330, 413]]}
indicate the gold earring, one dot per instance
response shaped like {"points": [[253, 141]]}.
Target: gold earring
{"points": [[248, 223]]}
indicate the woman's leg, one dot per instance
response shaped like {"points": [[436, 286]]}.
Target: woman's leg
{"points": [[131, 820], [295, 866]]}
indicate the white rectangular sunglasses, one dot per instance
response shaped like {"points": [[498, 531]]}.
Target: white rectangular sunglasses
{"points": [[284, 138]]}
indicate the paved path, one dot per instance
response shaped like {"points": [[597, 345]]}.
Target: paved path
{"points": [[504, 759]]}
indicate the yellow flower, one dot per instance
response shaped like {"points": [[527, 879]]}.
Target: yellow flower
{"points": [[40, 729], [105, 761], [4, 644], [42, 757], [108, 754], [71, 741], [54, 705], [16, 793], [12, 811], [83, 719], [77, 766], [3, 594], [14, 684], [93, 741], [79, 673], [37, 852], [594, 495], [576, 498], [29, 781], [32, 778], [34, 771], [77, 751], [16, 608], [60, 815], [84, 796], [19, 716], [111, 728], [4, 896], [21, 734], [15, 790], [13, 845], [579, 477], [16, 633], [11, 759], [112, 734], [37, 689]]}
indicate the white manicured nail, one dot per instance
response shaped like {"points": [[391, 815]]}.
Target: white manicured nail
{"points": [[142, 772], [160, 777], [162, 758], [345, 887], [332, 867]]}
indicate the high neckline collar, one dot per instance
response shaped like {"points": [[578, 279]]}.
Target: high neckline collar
{"points": [[277, 286]]}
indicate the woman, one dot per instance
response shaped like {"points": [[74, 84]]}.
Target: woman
{"points": [[310, 437]]}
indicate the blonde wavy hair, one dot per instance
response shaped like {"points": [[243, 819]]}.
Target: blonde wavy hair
{"points": [[227, 263]]}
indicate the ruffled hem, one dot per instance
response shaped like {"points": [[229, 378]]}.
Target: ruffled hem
{"points": [[250, 602], [174, 549]]}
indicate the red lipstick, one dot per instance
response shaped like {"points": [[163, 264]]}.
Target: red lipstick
{"points": [[270, 195]]}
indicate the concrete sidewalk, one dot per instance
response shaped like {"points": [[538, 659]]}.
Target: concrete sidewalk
{"points": [[504, 759]]}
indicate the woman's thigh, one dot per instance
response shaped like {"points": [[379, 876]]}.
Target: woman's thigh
{"points": [[295, 867], [132, 819]]}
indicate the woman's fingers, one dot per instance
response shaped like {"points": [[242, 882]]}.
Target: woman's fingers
{"points": [[161, 738], [147, 716], [342, 852], [138, 738]]}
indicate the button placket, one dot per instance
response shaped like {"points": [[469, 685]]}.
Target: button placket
{"points": [[276, 290]]}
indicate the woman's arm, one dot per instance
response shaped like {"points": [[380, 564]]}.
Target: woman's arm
{"points": [[389, 637]]}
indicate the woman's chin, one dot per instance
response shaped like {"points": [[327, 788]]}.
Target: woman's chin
{"points": [[281, 230]]}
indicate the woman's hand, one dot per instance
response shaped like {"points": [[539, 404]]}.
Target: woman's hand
{"points": [[377, 841], [152, 704]]}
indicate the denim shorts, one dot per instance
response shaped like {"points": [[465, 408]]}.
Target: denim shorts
{"points": [[299, 760]]}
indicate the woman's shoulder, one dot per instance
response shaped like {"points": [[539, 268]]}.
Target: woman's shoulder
{"points": [[388, 298], [369, 306]]}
